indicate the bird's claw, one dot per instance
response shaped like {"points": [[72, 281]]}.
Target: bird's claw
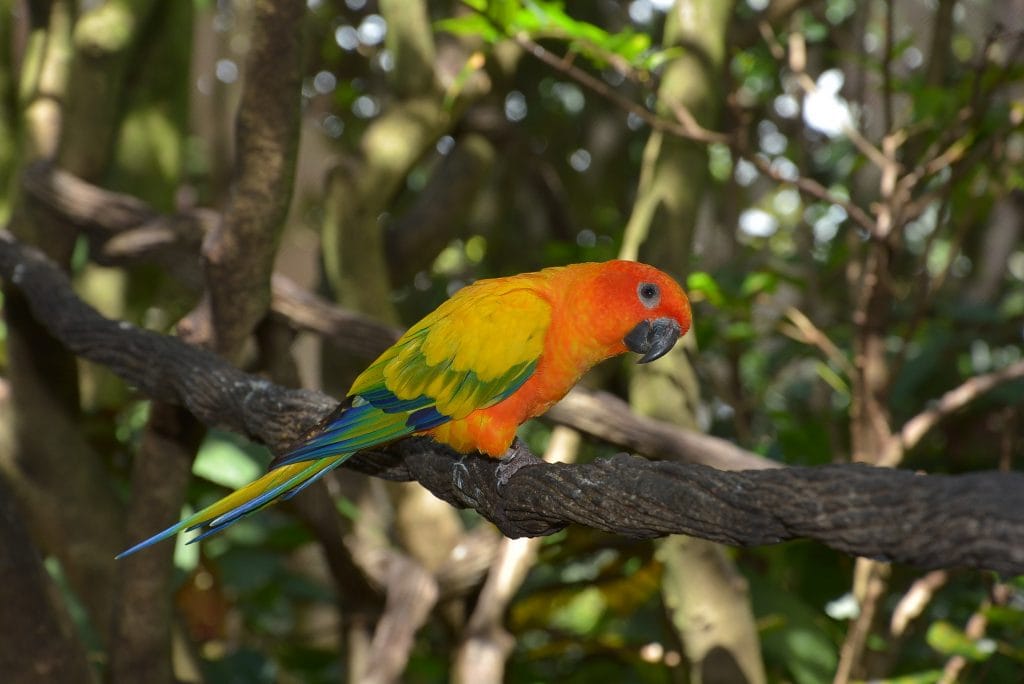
{"points": [[516, 458], [460, 473]]}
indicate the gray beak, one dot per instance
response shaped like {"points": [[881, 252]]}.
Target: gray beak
{"points": [[653, 339]]}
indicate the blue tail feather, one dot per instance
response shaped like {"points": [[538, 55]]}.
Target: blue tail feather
{"points": [[355, 428]]}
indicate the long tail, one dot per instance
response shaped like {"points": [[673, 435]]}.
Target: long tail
{"points": [[345, 433], [280, 483]]}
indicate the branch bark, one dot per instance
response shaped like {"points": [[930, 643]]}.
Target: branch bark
{"points": [[974, 520]]}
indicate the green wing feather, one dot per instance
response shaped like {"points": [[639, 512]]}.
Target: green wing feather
{"points": [[472, 352]]}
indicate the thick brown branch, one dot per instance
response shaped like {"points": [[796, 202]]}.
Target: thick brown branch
{"points": [[161, 367], [974, 520]]}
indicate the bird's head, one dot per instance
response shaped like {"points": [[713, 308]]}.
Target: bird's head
{"points": [[635, 307]]}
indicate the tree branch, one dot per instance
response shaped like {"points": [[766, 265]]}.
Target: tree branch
{"points": [[777, 11], [949, 403], [685, 126], [974, 520]]}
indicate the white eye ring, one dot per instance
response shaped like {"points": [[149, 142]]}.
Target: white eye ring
{"points": [[649, 294]]}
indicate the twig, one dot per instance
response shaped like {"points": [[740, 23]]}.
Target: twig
{"points": [[805, 331], [949, 403], [411, 594], [811, 187], [775, 13], [349, 331], [887, 50], [609, 418], [798, 64], [913, 603], [686, 127], [856, 637]]}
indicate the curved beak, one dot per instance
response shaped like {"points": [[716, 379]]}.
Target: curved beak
{"points": [[653, 339]]}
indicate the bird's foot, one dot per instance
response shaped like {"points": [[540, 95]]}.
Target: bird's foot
{"points": [[516, 458], [460, 473]]}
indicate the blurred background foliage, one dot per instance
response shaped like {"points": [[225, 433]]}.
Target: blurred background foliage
{"points": [[513, 163]]}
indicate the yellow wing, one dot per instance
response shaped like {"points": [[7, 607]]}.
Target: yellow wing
{"points": [[471, 352]]}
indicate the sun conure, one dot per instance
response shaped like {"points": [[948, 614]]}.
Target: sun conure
{"points": [[497, 353]]}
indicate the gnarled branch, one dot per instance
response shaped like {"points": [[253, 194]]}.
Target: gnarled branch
{"points": [[974, 520]]}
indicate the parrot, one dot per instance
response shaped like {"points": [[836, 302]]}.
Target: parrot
{"points": [[496, 353]]}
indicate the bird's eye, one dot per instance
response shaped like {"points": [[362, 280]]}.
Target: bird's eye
{"points": [[649, 294]]}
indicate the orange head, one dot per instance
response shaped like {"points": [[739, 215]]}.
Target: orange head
{"points": [[627, 305]]}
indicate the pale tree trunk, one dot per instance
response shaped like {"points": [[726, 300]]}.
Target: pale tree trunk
{"points": [[707, 599]]}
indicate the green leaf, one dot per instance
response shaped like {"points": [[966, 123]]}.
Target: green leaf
{"points": [[701, 284], [628, 44], [950, 640], [655, 59], [347, 507], [758, 282], [1004, 615], [470, 25], [582, 613], [225, 462], [510, 15], [740, 331], [924, 677]]}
